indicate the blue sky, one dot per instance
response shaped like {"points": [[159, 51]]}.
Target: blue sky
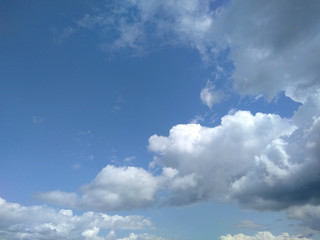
{"points": [[159, 120]]}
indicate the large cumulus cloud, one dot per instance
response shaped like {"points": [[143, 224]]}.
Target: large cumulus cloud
{"points": [[263, 161], [218, 156]]}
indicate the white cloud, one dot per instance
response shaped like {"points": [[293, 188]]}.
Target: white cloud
{"points": [[172, 21], [132, 236], [40, 222], [219, 156], [210, 96], [129, 159], [122, 188], [262, 161], [112, 189], [262, 235]]}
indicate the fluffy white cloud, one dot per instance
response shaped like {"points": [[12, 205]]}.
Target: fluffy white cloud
{"points": [[40, 222], [113, 189], [217, 157], [209, 95], [263, 161], [262, 236], [121, 188]]}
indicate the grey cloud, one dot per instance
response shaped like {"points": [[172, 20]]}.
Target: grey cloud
{"points": [[308, 214], [272, 46], [271, 43]]}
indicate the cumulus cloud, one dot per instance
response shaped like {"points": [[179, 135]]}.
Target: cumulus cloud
{"points": [[113, 189], [218, 156], [210, 96], [263, 161], [263, 235], [40, 222], [121, 188]]}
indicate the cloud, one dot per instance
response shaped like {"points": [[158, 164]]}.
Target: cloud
{"points": [[122, 188], [270, 43], [37, 119], [263, 235], [112, 189], [210, 96], [308, 214], [40, 222], [263, 161], [144, 236], [129, 159], [272, 46], [218, 157], [246, 224], [64, 35], [142, 23]]}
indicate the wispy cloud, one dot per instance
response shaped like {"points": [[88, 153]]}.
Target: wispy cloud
{"points": [[246, 224], [210, 95], [38, 119]]}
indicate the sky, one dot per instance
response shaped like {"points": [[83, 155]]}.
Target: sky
{"points": [[160, 120]]}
